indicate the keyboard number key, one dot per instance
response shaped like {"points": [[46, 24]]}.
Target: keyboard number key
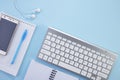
{"points": [[62, 43], [49, 33], [57, 41], [81, 50]]}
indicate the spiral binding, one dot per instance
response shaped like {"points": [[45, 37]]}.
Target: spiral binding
{"points": [[52, 75]]}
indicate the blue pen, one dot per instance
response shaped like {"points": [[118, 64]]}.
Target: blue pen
{"points": [[18, 48]]}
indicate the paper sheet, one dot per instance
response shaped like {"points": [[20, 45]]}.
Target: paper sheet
{"points": [[37, 71]]}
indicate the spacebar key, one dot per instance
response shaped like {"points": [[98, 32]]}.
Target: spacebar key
{"points": [[69, 67]]}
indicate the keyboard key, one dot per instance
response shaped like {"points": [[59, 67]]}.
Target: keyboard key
{"points": [[62, 48], [62, 59], [57, 46], [84, 73], [55, 61], [80, 50], [57, 41], [62, 43], [47, 42], [76, 64], [80, 61], [45, 52], [76, 48], [53, 39], [69, 67], [72, 52], [58, 57], [45, 57], [54, 35], [102, 75], [53, 55], [79, 45], [48, 37], [71, 57], [67, 60], [52, 50], [83, 47], [67, 50], [71, 62], [89, 75], [81, 56], [53, 44], [66, 44], [50, 59], [49, 33], [46, 47], [71, 46], [74, 43], [76, 54], [81, 66], [41, 55], [62, 53], [59, 37]]}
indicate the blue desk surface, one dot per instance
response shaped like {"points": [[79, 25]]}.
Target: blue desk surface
{"points": [[96, 21]]}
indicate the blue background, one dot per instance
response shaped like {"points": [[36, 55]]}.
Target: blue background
{"points": [[96, 21]]}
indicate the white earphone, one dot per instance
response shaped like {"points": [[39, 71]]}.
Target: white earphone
{"points": [[37, 10], [32, 15]]}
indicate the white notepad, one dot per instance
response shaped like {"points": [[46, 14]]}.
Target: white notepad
{"points": [[6, 60], [37, 71]]}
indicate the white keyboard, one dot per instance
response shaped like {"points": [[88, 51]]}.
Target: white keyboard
{"points": [[76, 55]]}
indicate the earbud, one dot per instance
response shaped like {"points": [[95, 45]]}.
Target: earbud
{"points": [[37, 10], [32, 16], [34, 13]]}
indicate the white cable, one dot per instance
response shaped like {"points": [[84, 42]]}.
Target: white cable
{"points": [[16, 7], [31, 15]]}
